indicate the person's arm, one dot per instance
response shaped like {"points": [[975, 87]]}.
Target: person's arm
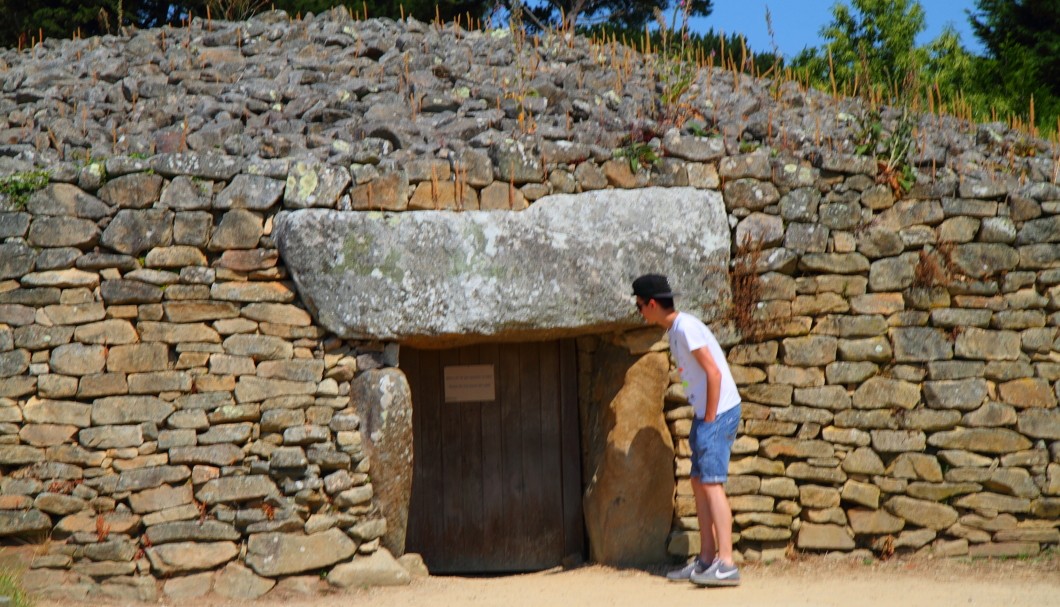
{"points": [[705, 360]]}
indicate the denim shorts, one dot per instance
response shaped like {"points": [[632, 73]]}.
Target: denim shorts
{"points": [[711, 445]]}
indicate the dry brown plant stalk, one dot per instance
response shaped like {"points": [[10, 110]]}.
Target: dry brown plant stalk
{"points": [[745, 284]]}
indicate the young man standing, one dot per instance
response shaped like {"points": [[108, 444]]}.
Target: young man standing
{"points": [[711, 391]]}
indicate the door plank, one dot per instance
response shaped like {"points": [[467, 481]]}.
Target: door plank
{"points": [[511, 455], [452, 494], [470, 416], [551, 448], [573, 528], [533, 472], [494, 528]]}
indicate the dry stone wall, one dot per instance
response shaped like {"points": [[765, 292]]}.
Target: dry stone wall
{"points": [[171, 411]]}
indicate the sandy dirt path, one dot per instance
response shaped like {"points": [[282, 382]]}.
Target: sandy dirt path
{"points": [[811, 582]]}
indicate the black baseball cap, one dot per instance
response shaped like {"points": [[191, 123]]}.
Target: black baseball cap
{"points": [[652, 286]]}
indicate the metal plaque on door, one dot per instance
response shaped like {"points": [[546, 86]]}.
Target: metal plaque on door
{"points": [[469, 384]]}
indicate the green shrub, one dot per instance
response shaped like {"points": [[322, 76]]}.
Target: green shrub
{"points": [[17, 188]]}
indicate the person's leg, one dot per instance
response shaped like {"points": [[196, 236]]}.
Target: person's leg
{"points": [[714, 472], [708, 548], [721, 516]]}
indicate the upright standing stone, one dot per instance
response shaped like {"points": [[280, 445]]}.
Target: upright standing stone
{"points": [[384, 404], [629, 500]]}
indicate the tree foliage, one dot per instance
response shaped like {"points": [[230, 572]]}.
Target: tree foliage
{"points": [[620, 14], [1022, 40], [27, 19], [871, 43], [870, 47]]}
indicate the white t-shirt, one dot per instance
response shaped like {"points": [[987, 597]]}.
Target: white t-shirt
{"points": [[688, 334]]}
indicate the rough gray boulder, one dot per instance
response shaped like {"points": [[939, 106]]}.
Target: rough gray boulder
{"points": [[562, 267]]}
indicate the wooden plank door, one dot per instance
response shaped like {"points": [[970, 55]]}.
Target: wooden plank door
{"points": [[496, 484]]}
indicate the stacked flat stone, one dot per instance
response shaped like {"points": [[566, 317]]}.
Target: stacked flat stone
{"points": [[164, 397], [883, 413], [168, 409]]}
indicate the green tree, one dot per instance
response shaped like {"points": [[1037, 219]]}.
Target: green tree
{"points": [[949, 69], [621, 14], [26, 19], [1022, 40], [23, 21], [871, 43]]}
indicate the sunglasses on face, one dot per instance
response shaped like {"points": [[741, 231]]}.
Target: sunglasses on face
{"points": [[641, 304]]}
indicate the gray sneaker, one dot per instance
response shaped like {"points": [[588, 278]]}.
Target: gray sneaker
{"points": [[718, 574], [685, 573]]}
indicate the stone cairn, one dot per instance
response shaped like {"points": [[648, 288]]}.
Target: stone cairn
{"points": [[170, 412]]}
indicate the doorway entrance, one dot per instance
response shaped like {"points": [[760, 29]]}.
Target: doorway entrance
{"points": [[497, 467]]}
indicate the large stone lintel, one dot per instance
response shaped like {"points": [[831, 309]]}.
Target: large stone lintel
{"points": [[561, 268]]}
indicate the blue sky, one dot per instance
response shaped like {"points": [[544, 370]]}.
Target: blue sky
{"points": [[796, 23]]}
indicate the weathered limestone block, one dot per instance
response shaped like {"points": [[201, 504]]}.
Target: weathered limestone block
{"points": [[42, 411], [107, 332], [276, 554], [993, 502], [180, 557], [23, 522], [884, 393], [311, 184], [135, 191], [930, 515], [258, 347], [981, 344], [990, 415], [190, 586], [14, 362], [78, 359], [821, 474], [236, 489], [1028, 392], [874, 522], [249, 192], [920, 344], [809, 351], [378, 569], [16, 259], [63, 232], [130, 410], [844, 373], [46, 435], [751, 194], [252, 389], [814, 536], [111, 437], [160, 498], [238, 582], [252, 292], [777, 446], [85, 522], [206, 165], [191, 531], [349, 266], [981, 440], [960, 394], [863, 460], [133, 232], [628, 502], [213, 455], [1012, 481], [138, 358], [1040, 423], [979, 260], [175, 333], [121, 292], [239, 229]]}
